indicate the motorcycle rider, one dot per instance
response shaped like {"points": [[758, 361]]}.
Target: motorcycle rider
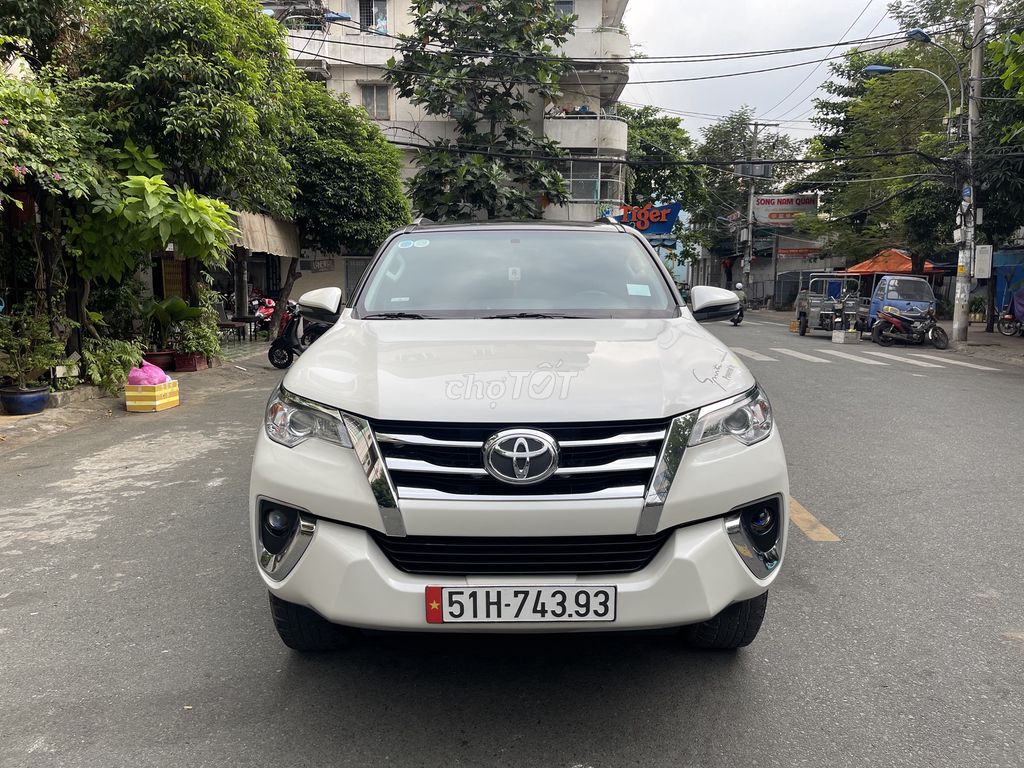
{"points": [[742, 296]]}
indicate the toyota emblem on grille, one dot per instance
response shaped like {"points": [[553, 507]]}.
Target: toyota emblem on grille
{"points": [[521, 456]]}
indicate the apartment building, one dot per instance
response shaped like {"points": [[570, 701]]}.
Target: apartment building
{"points": [[346, 43]]}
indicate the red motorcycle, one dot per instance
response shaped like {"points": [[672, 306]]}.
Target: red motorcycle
{"points": [[912, 329]]}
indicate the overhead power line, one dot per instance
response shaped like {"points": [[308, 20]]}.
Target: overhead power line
{"points": [[700, 78], [807, 77], [672, 58]]}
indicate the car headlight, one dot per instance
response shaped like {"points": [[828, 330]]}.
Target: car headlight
{"points": [[291, 420], [747, 419]]}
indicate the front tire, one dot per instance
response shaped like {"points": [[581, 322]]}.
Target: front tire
{"points": [[735, 627], [280, 357], [940, 339], [877, 335], [306, 631], [802, 326], [1007, 327]]}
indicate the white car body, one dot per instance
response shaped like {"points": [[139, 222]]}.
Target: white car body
{"points": [[498, 374]]}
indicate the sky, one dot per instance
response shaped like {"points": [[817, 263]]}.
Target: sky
{"points": [[689, 27]]}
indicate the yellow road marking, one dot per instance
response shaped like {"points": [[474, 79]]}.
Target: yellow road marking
{"points": [[808, 523]]}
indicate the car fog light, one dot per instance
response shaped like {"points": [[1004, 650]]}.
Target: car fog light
{"points": [[283, 535], [278, 521], [755, 531], [761, 522]]}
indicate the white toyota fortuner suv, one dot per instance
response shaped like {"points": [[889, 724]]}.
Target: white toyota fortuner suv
{"points": [[518, 427]]}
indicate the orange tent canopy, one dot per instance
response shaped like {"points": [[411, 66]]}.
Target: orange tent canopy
{"points": [[889, 261]]}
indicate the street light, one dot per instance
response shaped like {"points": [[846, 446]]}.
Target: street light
{"points": [[879, 70], [920, 36]]}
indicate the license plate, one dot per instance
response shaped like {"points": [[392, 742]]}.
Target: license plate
{"points": [[468, 605]]}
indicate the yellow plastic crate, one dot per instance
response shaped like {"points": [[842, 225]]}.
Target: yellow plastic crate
{"points": [[147, 398], [794, 326]]}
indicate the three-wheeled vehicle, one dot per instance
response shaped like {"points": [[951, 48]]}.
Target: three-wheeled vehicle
{"points": [[830, 301], [896, 294]]}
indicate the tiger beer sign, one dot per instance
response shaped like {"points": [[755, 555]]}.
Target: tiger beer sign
{"points": [[651, 219]]}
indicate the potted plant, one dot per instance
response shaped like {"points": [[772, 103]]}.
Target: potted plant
{"points": [[28, 349], [164, 319], [196, 341], [976, 309]]}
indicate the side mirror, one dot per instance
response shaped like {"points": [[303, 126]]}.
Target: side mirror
{"points": [[711, 304], [322, 305]]}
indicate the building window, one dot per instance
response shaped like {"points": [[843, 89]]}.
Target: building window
{"points": [[373, 16], [375, 101], [565, 7]]}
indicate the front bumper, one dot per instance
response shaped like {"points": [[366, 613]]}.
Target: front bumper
{"points": [[345, 578], [343, 575]]}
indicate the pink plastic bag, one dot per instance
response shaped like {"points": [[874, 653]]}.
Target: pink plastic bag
{"points": [[147, 373]]}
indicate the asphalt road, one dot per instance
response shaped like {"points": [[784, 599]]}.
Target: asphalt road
{"points": [[134, 630]]}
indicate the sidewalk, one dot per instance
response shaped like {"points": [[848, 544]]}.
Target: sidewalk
{"points": [[993, 346], [243, 364]]}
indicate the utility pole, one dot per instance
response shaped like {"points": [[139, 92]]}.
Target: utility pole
{"points": [[968, 205], [748, 251]]}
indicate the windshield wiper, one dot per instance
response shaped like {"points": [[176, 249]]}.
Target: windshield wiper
{"points": [[396, 316], [534, 316]]}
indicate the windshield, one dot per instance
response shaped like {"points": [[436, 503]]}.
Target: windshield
{"points": [[909, 290], [502, 272]]}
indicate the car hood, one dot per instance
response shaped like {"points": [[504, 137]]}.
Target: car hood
{"points": [[521, 370]]}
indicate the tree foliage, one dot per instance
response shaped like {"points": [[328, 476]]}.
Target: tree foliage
{"points": [[347, 173], [485, 65], [883, 199], [657, 144], [211, 89]]}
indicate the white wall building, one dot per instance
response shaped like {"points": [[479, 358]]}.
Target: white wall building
{"points": [[351, 55]]}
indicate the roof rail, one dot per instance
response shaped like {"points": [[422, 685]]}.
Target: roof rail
{"points": [[419, 221], [609, 219]]}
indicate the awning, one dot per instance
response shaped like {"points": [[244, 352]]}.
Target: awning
{"points": [[889, 261], [265, 234]]}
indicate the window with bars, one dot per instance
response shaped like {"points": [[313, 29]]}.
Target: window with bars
{"points": [[375, 101], [373, 15]]}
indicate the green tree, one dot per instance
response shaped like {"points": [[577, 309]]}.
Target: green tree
{"points": [[348, 176], [210, 88], [657, 145], [486, 65], [722, 143], [349, 182]]}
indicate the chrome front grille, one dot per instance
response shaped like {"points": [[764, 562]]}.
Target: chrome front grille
{"points": [[611, 460]]}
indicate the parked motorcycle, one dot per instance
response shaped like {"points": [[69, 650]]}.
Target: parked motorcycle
{"points": [[294, 339], [912, 329], [737, 318], [262, 309], [1011, 319]]}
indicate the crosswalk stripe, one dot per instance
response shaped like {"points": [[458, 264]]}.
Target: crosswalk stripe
{"points": [[848, 356], [769, 322], [898, 359], [755, 355], [954, 362], [801, 355], [751, 322]]}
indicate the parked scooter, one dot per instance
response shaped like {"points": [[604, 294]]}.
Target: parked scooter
{"points": [[737, 318], [262, 309], [294, 339], [912, 329]]}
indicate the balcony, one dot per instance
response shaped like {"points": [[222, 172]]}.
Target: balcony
{"points": [[597, 43], [606, 133], [332, 46]]}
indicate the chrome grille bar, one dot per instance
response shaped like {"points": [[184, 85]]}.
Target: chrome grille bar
{"points": [[429, 494], [619, 465], [423, 440], [634, 437]]}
